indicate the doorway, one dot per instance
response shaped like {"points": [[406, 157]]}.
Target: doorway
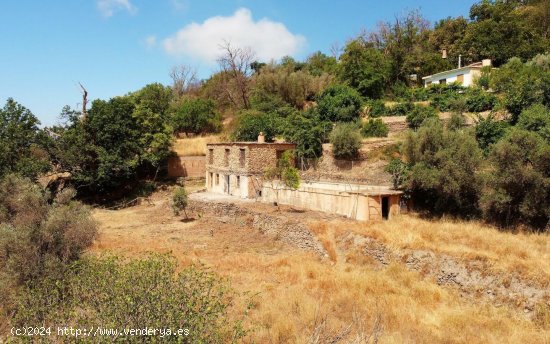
{"points": [[227, 185], [385, 207]]}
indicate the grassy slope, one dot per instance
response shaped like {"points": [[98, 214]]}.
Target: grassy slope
{"points": [[294, 291]]}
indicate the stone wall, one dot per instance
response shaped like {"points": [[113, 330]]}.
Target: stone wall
{"points": [[187, 166], [237, 168], [257, 157], [280, 228]]}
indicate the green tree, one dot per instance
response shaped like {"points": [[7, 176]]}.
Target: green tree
{"points": [[151, 114], [196, 115], [318, 63], [21, 142], [477, 100], [447, 35], [180, 200], [444, 164], [293, 85], [406, 45], [283, 174], [346, 141], [419, 114], [522, 84], [518, 185], [364, 68], [456, 122], [114, 136], [399, 172], [308, 133], [250, 123], [500, 31], [339, 103]]}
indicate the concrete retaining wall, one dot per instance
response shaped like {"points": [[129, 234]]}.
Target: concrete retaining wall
{"points": [[359, 202]]}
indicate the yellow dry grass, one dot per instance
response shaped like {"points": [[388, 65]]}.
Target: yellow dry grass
{"points": [[193, 146], [527, 254], [291, 290]]}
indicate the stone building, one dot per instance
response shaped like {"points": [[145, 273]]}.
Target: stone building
{"points": [[237, 168]]}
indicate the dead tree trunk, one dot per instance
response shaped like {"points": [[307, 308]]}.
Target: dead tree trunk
{"points": [[84, 102]]}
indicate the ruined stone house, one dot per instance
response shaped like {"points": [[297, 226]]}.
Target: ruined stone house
{"points": [[237, 168]]}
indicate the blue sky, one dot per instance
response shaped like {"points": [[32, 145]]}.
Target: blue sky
{"points": [[116, 46]]}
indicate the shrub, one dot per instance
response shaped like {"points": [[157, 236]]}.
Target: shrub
{"points": [[400, 109], [145, 293], [536, 118], [285, 172], [419, 114], [456, 122], [446, 101], [376, 108], [339, 104], [346, 141], [375, 128], [418, 94], [478, 100], [180, 200], [38, 236], [488, 131]]}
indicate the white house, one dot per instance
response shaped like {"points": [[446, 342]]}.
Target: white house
{"points": [[465, 75]]}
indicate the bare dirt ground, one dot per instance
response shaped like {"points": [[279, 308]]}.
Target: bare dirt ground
{"points": [[311, 277]]}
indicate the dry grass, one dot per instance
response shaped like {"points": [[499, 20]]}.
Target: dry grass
{"points": [[193, 146], [326, 237], [293, 290], [527, 254]]}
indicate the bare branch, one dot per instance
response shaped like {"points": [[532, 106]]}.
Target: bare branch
{"points": [[235, 62], [184, 80]]}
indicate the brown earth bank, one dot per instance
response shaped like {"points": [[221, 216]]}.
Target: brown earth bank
{"points": [[310, 277]]}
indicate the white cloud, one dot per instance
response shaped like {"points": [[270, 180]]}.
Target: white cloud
{"points": [[109, 7], [150, 41], [268, 39]]}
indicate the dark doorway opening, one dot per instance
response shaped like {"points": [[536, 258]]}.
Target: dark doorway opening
{"points": [[227, 185], [385, 207]]}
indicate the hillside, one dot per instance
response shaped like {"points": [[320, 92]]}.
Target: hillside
{"points": [[408, 280]]}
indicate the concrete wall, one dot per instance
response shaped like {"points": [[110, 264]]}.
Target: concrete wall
{"points": [[358, 202], [186, 166], [469, 77]]}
